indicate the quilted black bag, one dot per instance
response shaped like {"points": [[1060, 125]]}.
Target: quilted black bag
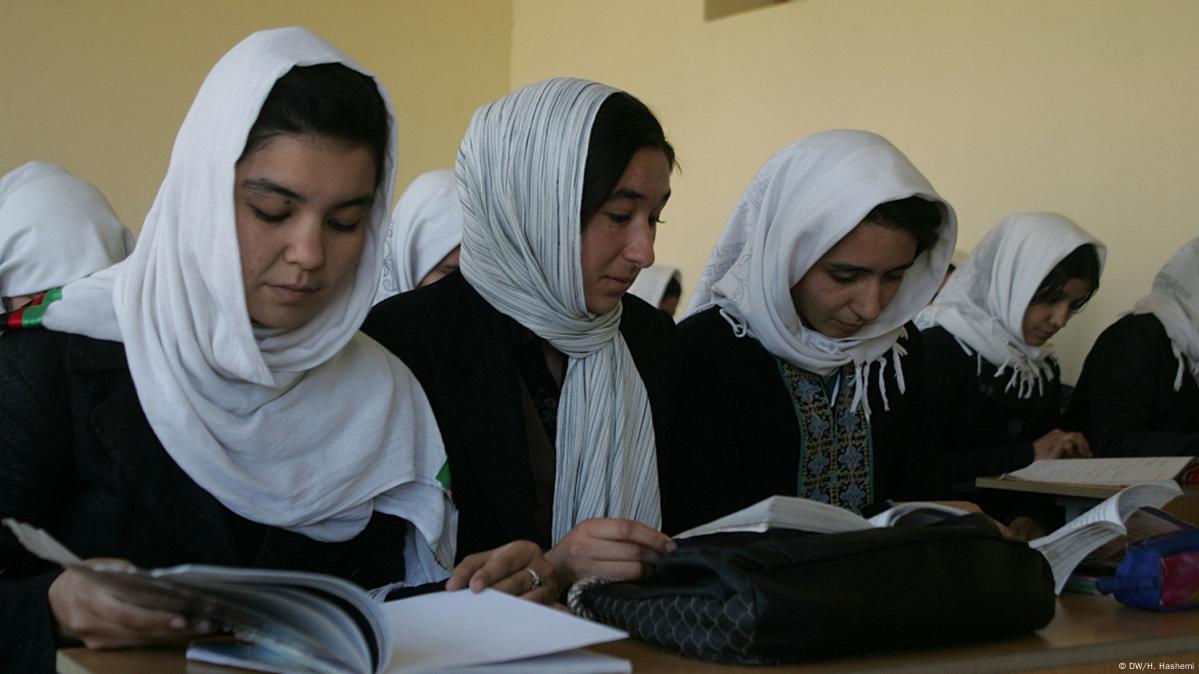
{"points": [[787, 596]]}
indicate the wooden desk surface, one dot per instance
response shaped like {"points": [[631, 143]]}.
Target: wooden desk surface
{"points": [[1185, 507], [1086, 634], [1062, 489]]}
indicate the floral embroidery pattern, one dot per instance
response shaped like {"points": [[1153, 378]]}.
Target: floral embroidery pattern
{"points": [[836, 457]]}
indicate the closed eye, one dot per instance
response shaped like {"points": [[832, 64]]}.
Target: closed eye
{"points": [[269, 217], [344, 226]]}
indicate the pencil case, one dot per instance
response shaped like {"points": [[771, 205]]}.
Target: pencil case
{"points": [[1160, 574]]}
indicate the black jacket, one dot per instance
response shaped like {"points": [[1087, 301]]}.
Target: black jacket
{"points": [[987, 430], [465, 355], [744, 441], [1125, 400], [81, 461]]}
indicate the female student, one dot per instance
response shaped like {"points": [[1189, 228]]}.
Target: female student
{"points": [[660, 286], [54, 228], [550, 384], [425, 232], [1137, 395], [204, 400], [992, 381], [800, 370]]}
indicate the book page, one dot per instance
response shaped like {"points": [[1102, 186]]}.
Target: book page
{"points": [[1102, 472], [915, 513], [784, 512], [460, 629], [1069, 545]]}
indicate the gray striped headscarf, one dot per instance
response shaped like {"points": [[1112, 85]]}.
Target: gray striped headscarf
{"points": [[520, 179]]}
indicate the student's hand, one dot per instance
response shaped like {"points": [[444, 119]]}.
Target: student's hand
{"points": [[87, 611], [1025, 528], [1059, 444], [608, 547], [507, 569]]}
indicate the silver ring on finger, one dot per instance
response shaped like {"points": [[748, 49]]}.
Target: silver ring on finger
{"points": [[535, 578]]}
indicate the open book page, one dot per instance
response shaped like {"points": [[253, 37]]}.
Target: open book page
{"points": [[447, 630], [784, 512], [1103, 472], [1069, 545], [915, 513], [320, 623], [305, 599]]}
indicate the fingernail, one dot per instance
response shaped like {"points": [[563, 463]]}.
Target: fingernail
{"points": [[203, 626], [178, 622], [671, 546]]}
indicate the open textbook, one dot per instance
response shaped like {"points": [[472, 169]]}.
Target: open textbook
{"points": [[793, 512], [294, 621], [1127, 515], [1110, 472]]}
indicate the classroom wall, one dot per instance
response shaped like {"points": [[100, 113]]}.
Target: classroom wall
{"points": [[101, 86], [1084, 107]]}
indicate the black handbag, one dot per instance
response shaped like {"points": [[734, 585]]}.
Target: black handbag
{"points": [[787, 596]]}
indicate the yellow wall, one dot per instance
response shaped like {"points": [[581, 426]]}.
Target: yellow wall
{"points": [[101, 86], [1084, 107]]}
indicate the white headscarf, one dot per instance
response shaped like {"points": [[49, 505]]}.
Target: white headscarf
{"points": [[520, 174], [54, 228], [311, 429], [804, 200], [984, 302], [651, 283], [425, 227], [1174, 300]]}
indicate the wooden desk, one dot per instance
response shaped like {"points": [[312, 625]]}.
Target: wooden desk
{"points": [[1087, 634], [1077, 499]]}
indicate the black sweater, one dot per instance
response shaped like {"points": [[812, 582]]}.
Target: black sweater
{"points": [[466, 356], [1125, 399], [81, 461], [987, 430], [744, 441]]}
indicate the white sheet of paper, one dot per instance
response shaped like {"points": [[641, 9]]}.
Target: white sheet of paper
{"points": [[461, 629]]}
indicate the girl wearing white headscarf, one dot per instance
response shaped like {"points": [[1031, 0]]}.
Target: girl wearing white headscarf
{"points": [[54, 228], [223, 407], [426, 230], [660, 286], [993, 381], [1137, 395], [551, 385], [797, 349]]}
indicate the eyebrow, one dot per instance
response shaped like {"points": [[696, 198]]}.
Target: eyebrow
{"points": [[846, 267], [263, 185], [626, 193]]}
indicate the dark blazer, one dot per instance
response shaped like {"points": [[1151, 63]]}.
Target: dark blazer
{"points": [[987, 430], [1125, 400], [744, 440], [464, 353], [81, 461]]}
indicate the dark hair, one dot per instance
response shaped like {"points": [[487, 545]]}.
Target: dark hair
{"points": [[919, 217], [673, 288], [329, 100], [1081, 263], [622, 126]]}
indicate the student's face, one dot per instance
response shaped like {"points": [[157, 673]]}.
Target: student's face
{"points": [[447, 266], [302, 206], [851, 284], [618, 241], [1042, 320]]}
